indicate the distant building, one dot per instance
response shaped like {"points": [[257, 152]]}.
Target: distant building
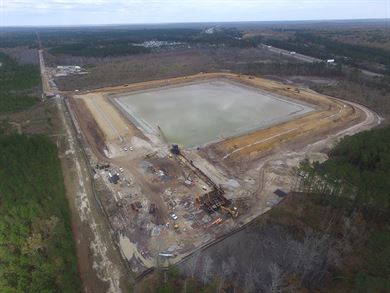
{"points": [[330, 61], [64, 70]]}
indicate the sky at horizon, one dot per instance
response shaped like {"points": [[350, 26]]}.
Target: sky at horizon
{"points": [[92, 12]]}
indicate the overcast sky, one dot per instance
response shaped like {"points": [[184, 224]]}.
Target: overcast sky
{"points": [[68, 12]]}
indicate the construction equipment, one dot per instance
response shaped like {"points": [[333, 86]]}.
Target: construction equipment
{"points": [[152, 208], [216, 222], [136, 206], [173, 216], [233, 212], [213, 200], [175, 149]]}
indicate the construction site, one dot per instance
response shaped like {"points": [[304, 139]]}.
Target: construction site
{"points": [[185, 161]]}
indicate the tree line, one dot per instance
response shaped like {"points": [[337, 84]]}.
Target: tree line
{"points": [[18, 83], [37, 253], [116, 42], [318, 46], [355, 180]]}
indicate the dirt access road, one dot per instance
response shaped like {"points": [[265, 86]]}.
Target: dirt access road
{"points": [[100, 265], [277, 169]]}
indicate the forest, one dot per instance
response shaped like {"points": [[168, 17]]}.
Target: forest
{"points": [[313, 44], [355, 175], [355, 180], [355, 86], [13, 37], [18, 83], [37, 252], [99, 50], [36, 246], [117, 42]]}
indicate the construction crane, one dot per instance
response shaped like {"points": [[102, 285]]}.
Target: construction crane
{"points": [[231, 211]]}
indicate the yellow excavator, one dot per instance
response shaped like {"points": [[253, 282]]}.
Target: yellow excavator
{"points": [[233, 212]]}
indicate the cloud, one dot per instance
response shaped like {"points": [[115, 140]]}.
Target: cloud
{"points": [[98, 4], [51, 4], [21, 12]]}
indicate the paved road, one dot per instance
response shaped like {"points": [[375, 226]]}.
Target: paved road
{"points": [[296, 55], [310, 59]]}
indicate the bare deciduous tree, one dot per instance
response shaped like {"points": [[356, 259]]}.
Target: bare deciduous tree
{"points": [[207, 269], [276, 278]]}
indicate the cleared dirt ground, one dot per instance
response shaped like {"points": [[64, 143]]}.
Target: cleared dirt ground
{"points": [[331, 114], [249, 167]]}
